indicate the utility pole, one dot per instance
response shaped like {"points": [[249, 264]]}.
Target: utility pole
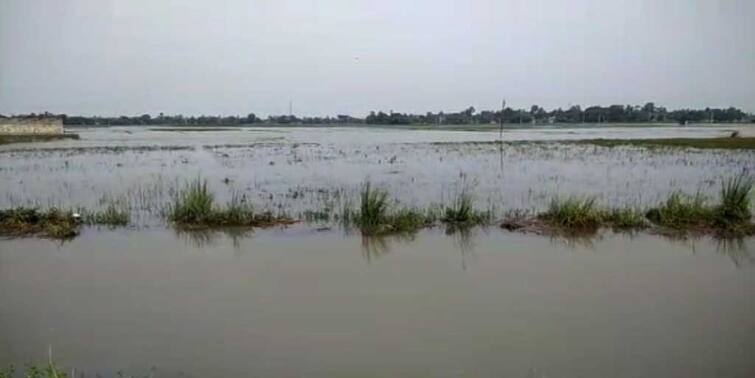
{"points": [[500, 132]]}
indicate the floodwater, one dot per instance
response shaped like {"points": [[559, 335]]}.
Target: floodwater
{"points": [[295, 170], [302, 303], [311, 301]]}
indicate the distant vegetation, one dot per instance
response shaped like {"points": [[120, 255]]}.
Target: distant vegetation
{"points": [[647, 113]]}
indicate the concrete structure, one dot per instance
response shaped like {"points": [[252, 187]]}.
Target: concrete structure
{"points": [[31, 126]]}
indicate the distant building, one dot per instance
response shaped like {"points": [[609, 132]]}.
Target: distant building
{"points": [[31, 126]]}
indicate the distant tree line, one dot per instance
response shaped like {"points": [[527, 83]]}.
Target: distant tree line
{"points": [[648, 113]]}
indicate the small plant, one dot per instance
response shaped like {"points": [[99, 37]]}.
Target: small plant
{"points": [[574, 214], [627, 219], [375, 218], [681, 211], [111, 216], [734, 208], [407, 221], [192, 205], [372, 208]]}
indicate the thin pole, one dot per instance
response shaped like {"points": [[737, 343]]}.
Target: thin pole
{"points": [[500, 132]]}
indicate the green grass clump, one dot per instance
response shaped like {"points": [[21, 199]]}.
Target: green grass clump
{"points": [[574, 214], [408, 220], [627, 219], [462, 213], [54, 223], [734, 207], [681, 211], [373, 209], [194, 206], [111, 216], [375, 217]]}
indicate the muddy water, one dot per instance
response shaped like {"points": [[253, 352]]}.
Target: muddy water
{"points": [[297, 169], [301, 303]]}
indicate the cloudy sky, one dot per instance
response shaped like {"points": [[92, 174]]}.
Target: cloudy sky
{"points": [[349, 57]]}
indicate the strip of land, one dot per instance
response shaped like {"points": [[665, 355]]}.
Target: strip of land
{"points": [[8, 139], [739, 143]]}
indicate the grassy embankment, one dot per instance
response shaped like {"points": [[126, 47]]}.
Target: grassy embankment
{"points": [[8, 139]]}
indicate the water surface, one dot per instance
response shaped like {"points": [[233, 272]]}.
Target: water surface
{"points": [[299, 302]]}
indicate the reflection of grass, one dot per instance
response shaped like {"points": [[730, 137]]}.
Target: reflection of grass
{"points": [[747, 143], [206, 237]]}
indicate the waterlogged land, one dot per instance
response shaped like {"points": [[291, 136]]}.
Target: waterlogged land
{"points": [[151, 285], [307, 171]]}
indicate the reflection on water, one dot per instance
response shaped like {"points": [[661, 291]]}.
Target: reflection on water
{"points": [[301, 303], [374, 247], [737, 250], [208, 237]]}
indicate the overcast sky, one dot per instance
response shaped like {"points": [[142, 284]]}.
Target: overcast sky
{"points": [[349, 57]]}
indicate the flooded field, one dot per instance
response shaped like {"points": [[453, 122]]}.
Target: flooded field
{"points": [[312, 299], [300, 170]]}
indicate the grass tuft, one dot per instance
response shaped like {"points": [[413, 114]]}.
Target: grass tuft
{"points": [[462, 212], [681, 211], [574, 214], [373, 209], [194, 207], [627, 219], [734, 207], [375, 218], [111, 216], [193, 204]]}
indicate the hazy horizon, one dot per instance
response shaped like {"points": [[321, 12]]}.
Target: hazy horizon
{"points": [[346, 57]]}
